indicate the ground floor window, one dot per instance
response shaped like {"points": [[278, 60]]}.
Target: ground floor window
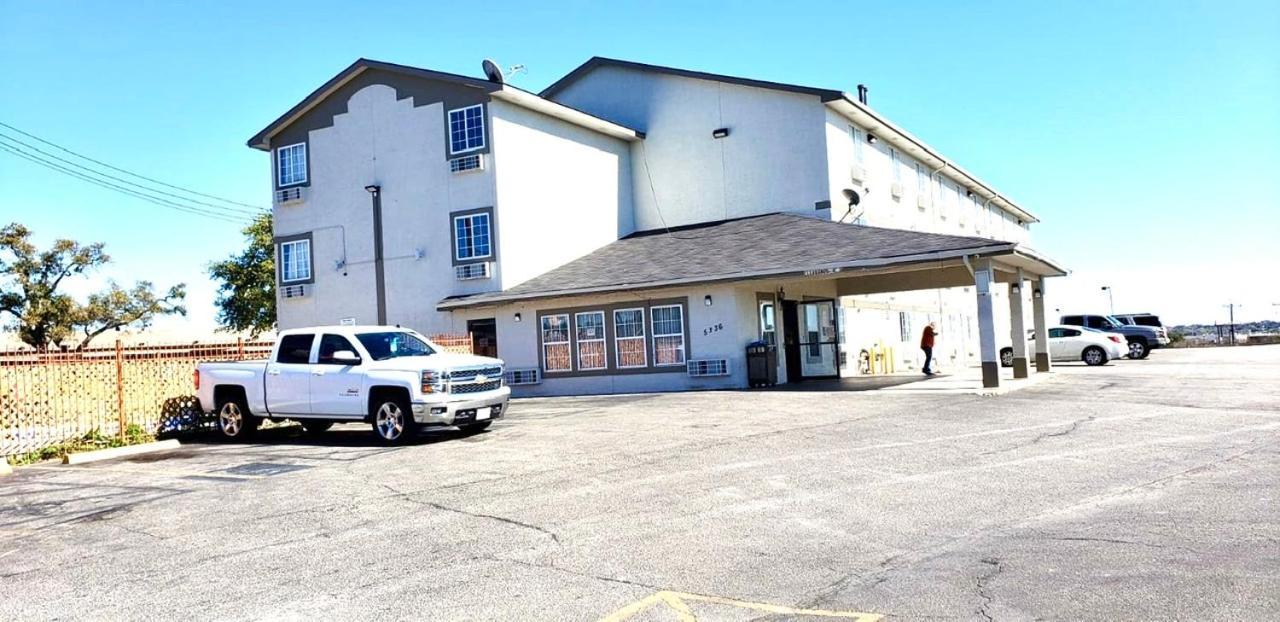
{"points": [[590, 336], [628, 336], [555, 343], [614, 338], [668, 335]]}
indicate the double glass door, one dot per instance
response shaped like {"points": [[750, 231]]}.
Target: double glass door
{"points": [[814, 341]]}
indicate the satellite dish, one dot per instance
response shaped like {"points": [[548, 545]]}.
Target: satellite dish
{"points": [[492, 71], [852, 196]]}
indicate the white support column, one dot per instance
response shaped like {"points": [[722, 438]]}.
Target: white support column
{"points": [[1017, 326], [983, 277], [1042, 327]]}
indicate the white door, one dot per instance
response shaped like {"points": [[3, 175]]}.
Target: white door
{"points": [[1070, 345], [288, 383], [336, 386]]}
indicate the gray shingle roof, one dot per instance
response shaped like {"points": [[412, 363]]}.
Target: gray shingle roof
{"points": [[753, 247]]}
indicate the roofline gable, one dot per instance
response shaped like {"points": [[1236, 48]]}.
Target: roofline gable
{"points": [[513, 94]]}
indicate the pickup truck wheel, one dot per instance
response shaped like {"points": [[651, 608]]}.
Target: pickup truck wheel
{"points": [[1093, 355], [234, 420], [317, 427], [1138, 349], [393, 422]]}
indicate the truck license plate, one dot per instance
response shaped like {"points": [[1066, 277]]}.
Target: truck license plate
{"points": [[483, 413]]}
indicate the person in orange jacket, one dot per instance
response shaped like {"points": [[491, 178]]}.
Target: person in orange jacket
{"points": [[926, 344]]}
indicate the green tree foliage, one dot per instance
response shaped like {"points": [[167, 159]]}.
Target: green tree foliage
{"points": [[247, 293], [43, 316]]}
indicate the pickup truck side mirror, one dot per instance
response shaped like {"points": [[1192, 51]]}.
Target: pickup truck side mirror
{"points": [[346, 357]]}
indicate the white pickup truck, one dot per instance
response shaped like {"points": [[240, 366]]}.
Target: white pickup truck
{"points": [[391, 377]]}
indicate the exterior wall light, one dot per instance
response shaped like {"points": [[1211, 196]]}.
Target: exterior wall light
{"points": [[1015, 289], [871, 138], [1035, 293], [720, 132], [517, 318], [706, 300], [373, 188]]}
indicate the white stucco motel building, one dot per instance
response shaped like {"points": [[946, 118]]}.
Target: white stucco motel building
{"points": [[634, 228]]}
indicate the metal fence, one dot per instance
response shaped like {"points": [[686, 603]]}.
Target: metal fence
{"points": [[49, 397]]}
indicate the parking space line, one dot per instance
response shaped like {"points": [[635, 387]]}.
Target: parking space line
{"points": [[678, 603], [166, 472]]}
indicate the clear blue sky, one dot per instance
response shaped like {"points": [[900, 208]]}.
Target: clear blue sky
{"points": [[1146, 135]]}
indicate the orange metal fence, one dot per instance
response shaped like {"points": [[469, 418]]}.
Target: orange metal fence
{"points": [[49, 397]]}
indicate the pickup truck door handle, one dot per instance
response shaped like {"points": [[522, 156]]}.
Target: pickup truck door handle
{"points": [[274, 371], [317, 372]]}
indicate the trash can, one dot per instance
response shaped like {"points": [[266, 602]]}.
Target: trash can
{"points": [[762, 364]]}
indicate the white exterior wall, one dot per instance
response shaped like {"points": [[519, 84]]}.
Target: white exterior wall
{"points": [[873, 320], [389, 142], [772, 161], [558, 191], [563, 191]]}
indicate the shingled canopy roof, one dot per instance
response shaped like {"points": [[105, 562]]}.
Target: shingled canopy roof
{"points": [[757, 247]]}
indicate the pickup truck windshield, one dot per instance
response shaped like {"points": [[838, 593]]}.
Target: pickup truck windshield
{"points": [[389, 345]]}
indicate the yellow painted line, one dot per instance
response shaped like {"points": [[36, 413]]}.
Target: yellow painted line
{"points": [[160, 472], [678, 603]]}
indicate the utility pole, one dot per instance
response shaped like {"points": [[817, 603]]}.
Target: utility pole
{"points": [[1110, 298], [1231, 318]]}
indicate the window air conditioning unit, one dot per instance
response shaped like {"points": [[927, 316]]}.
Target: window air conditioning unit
{"points": [[523, 376], [473, 162], [895, 190], [294, 291], [467, 272], [857, 172], [922, 201], [288, 196], [707, 367]]}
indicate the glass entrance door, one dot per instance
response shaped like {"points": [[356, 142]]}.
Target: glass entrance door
{"points": [[819, 339]]}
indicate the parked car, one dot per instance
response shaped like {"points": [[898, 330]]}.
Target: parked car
{"points": [[1141, 339], [390, 377], [1077, 343], [1139, 319]]}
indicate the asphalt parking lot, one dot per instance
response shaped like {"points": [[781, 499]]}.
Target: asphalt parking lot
{"points": [[1141, 490]]}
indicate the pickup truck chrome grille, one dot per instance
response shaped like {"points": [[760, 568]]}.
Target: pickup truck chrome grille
{"points": [[464, 375], [476, 387]]}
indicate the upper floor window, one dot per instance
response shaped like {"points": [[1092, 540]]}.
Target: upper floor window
{"points": [[922, 179], [897, 165], [466, 129], [291, 165], [295, 261], [857, 144], [471, 236]]}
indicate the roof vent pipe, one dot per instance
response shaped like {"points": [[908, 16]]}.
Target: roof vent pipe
{"points": [[862, 94]]}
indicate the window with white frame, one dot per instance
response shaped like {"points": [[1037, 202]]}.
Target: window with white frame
{"points": [[556, 356], [291, 165], [472, 237], [668, 335], [628, 338], [857, 144], [897, 165], [589, 327], [466, 129], [922, 179], [295, 261]]}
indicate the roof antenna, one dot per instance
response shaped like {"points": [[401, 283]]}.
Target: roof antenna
{"points": [[494, 72]]}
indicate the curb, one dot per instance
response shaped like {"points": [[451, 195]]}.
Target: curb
{"points": [[5, 469], [120, 452]]}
